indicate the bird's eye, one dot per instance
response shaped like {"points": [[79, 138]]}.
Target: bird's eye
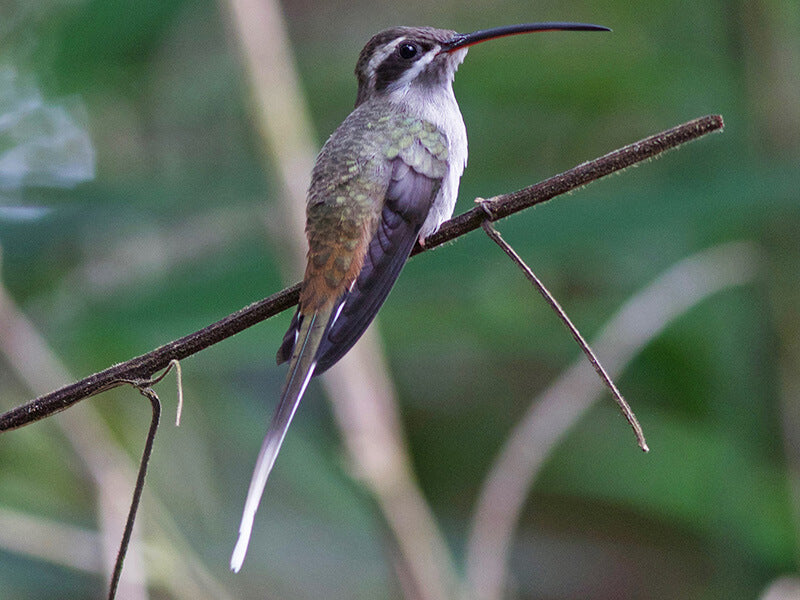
{"points": [[407, 50]]}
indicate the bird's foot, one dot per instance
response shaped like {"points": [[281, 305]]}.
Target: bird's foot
{"points": [[486, 206]]}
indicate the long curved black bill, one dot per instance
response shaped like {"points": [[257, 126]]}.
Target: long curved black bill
{"points": [[463, 40]]}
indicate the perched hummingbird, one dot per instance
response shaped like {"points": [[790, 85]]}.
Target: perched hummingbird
{"points": [[387, 177]]}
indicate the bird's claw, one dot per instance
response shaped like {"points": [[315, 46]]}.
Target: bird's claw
{"points": [[486, 206]]}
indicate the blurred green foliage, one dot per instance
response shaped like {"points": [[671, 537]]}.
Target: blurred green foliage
{"points": [[169, 236]]}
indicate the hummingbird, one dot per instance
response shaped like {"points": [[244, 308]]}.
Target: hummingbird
{"points": [[386, 178]]}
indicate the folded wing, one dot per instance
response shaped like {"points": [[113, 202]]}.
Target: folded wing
{"points": [[409, 197]]}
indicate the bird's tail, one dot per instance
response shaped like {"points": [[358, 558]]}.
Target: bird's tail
{"points": [[301, 369]]}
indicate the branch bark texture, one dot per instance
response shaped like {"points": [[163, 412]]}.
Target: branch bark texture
{"points": [[146, 365]]}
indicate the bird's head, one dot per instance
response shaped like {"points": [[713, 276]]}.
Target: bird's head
{"points": [[398, 60]]}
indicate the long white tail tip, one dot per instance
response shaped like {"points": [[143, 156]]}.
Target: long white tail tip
{"points": [[240, 550], [287, 406]]}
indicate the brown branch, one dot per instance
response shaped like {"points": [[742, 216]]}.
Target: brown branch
{"points": [[508, 204], [146, 365]]}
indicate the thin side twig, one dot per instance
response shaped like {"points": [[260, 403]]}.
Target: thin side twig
{"points": [[179, 383], [148, 393], [558, 408], [144, 366], [179, 571], [550, 299]]}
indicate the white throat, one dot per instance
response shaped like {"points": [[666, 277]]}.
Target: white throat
{"points": [[437, 105]]}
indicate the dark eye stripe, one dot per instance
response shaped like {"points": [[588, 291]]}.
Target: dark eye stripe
{"points": [[398, 62]]}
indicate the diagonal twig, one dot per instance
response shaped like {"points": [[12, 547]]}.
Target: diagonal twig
{"points": [[144, 366], [621, 402], [643, 317]]}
